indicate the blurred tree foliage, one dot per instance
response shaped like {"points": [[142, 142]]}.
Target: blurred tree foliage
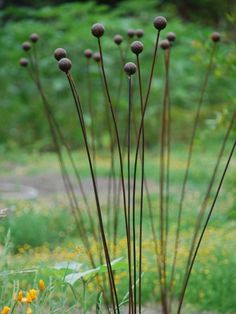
{"points": [[68, 25], [209, 11]]}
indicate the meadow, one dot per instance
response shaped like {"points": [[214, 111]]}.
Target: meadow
{"points": [[117, 182], [50, 240]]}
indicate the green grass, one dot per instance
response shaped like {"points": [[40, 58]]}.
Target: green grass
{"points": [[43, 232]]}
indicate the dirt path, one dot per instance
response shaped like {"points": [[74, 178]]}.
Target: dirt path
{"points": [[51, 185]]}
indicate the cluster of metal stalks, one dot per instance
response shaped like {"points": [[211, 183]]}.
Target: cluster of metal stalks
{"points": [[123, 190]]}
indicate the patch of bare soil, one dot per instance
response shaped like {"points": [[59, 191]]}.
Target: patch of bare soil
{"points": [[51, 184]]}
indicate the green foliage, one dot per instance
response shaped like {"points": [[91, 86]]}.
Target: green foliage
{"points": [[22, 120], [208, 11], [213, 278], [33, 228]]}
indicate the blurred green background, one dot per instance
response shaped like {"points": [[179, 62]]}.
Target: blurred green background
{"points": [[67, 24]]}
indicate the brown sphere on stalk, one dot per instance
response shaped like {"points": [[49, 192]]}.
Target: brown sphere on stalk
{"points": [[88, 53], [97, 57], [60, 53], [160, 22], [165, 44], [171, 36], [34, 37], [26, 46], [131, 33], [24, 62], [97, 30], [118, 39], [215, 37], [137, 47], [65, 65], [130, 68], [139, 32]]}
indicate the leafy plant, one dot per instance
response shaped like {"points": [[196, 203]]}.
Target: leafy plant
{"points": [[121, 145]]}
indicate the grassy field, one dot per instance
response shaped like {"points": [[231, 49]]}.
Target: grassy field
{"points": [[41, 237], [52, 261]]}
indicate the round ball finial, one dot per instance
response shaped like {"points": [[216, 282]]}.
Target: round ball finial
{"points": [[26, 46], [139, 32], [131, 33], [171, 36], [160, 22], [60, 53], [137, 47], [97, 57], [130, 68], [97, 30], [34, 37], [88, 53], [65, 65], [215, 37], [24, 62], [118, 39], [165, 44]]}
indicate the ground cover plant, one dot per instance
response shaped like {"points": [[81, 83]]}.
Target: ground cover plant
{"points": [[215, 263], [135, 225]]}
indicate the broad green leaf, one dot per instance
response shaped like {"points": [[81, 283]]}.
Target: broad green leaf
{"points": [[68, 265], [73, 277]]}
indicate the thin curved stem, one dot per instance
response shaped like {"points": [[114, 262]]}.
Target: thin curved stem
{"points": [[35, 75], [163, 176], [139, 138], [65, 176], [57, 135], [112, 173], [129, 187], [121, 167], [208, 192], [168, 151], [70, 192], [92, 117], [115, 302], [189, 159], [204, 229], [142, 189], [117, 189]]}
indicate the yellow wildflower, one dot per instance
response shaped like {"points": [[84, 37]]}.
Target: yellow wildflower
{"points": [[41, 285], [20, 296], [29, 310], [33, 294], [28, 299], [5, 310]]}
